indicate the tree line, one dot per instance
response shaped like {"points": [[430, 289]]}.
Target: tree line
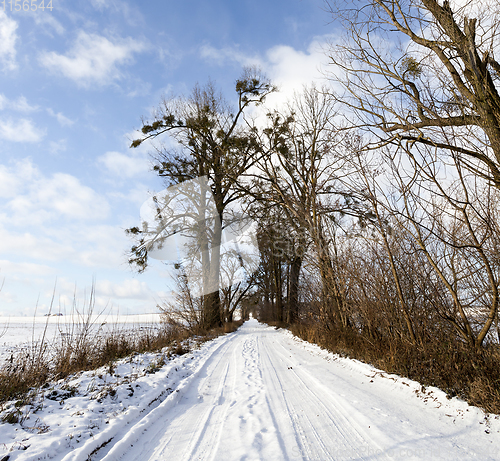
{"points": [[374, 198]]}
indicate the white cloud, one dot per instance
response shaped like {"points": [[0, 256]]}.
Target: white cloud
{"points": [[61, 118], [31, 245], [137, 195], [20, 130], [55, 147], [10, 182], [288, 68], [55, 219], [131, 13], [130, 288], [6, 299], [139, 88], [101, 4], [291, 69], [223, 55], [19, 105], [35, 198], [93, 59], [86, 244], [65, 194], [122, 165], [101, 245], [23, 268], [8, 38], [50, 21], [111, 297]]}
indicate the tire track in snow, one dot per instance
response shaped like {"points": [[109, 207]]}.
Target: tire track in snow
{"points": [[169, 426], [320, 432], [345, 437], [127, 430], [266, 416], [212, 408], [259, 395]]}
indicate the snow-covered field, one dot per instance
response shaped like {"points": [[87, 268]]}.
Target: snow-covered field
{"points": [[256, 394], [18, 332]]}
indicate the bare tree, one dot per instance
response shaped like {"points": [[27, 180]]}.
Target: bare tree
{"points": [[183, 309], [369, 190], [271, 273], [451, 216], [421, 72], [301, 177], [239, 271]]}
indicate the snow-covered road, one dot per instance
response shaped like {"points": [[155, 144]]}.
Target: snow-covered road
{"points": [[256, 394], [261, 395]]}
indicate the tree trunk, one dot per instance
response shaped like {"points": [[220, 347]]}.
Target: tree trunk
{"points": [[212, 305], [278, 281], [293, 290]]}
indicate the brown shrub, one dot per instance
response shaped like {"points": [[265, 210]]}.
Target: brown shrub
{"points": [[83, 350]]}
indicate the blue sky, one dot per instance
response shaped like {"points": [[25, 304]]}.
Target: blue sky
{"points": [[74, 84]]}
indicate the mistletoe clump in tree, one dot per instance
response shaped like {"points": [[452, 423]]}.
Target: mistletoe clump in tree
{"points": [[215, 144]]}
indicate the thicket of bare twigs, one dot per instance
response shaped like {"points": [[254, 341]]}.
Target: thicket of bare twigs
{"points": [[43, 361], [395, 312], [403, 321]]}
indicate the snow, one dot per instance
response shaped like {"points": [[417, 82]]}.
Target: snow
{"points": [[255, 394], [17, 332]]}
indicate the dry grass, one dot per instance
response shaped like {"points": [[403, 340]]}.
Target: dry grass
{"points": [[44, 361], [84, 345], [228, 327]]}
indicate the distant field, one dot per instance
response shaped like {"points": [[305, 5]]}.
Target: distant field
{"points": [[19, 332]]}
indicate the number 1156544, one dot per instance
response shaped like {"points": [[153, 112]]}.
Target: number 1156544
{"points": [[25, 5]]}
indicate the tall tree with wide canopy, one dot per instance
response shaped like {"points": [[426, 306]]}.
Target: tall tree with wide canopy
{"points": [[216, 142]]}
